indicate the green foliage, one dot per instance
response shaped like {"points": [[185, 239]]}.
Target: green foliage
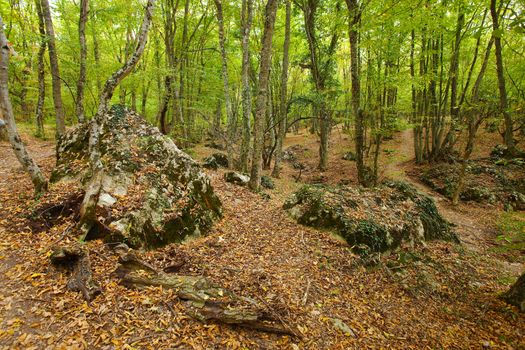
{"points": [[511, 227]]}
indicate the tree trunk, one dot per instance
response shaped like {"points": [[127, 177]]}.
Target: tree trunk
{"points": [[87, 209], [363, 173], [39, 182], [55, 72], [262, 94], [39, 114], [284, 92], [504, 105], [83, 55], [226, 82], [247, 17], [475, 118]]}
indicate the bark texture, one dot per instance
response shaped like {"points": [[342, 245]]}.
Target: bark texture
{"points": [[39, 114], [55, 71], [76, 259], [283, 110], [262, 94], [503, 99], [247, 18], [83, 55], [39, 182]]}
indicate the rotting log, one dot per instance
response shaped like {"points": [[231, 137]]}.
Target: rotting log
{"points": [[204, 300], [76, 259]]}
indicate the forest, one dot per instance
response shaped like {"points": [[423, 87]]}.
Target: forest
{"points": [[274, 174]]}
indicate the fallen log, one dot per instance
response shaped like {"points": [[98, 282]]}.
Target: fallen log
{"points": [[204, 300], [76, 259]]}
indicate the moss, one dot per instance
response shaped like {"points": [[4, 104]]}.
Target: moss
{"points": [[367, 217]]}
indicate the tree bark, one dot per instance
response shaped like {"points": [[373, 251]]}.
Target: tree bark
{"points": [[39, 182], [76, 259], [474, 120], [283, 111], [226, 82], [262, 94], [363, 172], [83, 55], [55, 72], [87, 209], [504, 105], [247, 18], [39, 114]]}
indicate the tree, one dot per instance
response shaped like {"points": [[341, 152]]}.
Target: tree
{"points": [[226, 81], [55, 71], [364, 173], [508, 137], [39, 114], [87, 209], [283, 110], [246, 19], [321, 69], [83, 55], [262, 94], [39, 182]]}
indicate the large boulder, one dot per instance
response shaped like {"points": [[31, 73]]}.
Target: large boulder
{"points": [[380, 219], [152, 193]]}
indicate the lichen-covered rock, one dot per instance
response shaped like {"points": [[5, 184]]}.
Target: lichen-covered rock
{"points": [[152, 193], [489, 181], [350, 156], [267, 182], [381, 218], [215, 161], [236, 178]]}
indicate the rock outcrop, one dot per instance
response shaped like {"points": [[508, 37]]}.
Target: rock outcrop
{"points": [[152, 193], [371, 220]]}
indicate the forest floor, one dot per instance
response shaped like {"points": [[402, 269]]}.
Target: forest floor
{"points": [[441, 295]]}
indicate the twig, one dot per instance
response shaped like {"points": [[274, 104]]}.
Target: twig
{"points": [[283, 322], [305, 296]]}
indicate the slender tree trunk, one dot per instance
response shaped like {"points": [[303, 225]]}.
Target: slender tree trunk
{"points": [[284, 92], [183, 61], [55, 72], [96, 53], [262, 94], [83, 55], [363, 172], [247, 17], [41, 73], [87, 209], [504, 105], [39, 182], [226, 83], [475, 119]]}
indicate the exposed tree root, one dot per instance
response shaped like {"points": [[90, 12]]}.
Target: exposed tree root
{"points": [[205, 301], [76, 259]]}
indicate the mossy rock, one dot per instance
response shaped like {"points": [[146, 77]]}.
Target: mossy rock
{"points": [[267, 182], [152, 193], [381, 219]]}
